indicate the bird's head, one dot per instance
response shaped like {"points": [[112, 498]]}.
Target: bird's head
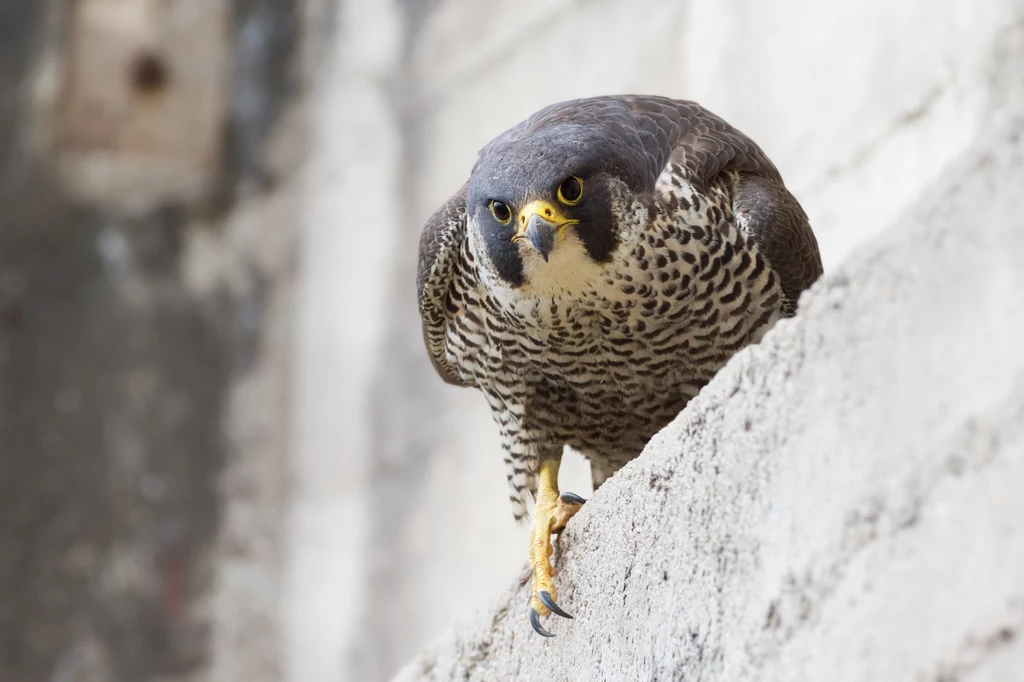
{"points": [[548, 200]]}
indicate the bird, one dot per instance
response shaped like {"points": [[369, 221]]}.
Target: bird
{"points": [[602, 262]]}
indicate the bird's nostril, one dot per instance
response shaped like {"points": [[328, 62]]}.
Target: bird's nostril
{"points": [[547, 212]]}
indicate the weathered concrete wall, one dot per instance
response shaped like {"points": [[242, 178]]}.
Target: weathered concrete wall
{"points": [[210, 365], [842, 502], [350, 224]]}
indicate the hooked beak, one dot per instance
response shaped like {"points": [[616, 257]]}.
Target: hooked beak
{"points": [[541, 235], [541, 224]]}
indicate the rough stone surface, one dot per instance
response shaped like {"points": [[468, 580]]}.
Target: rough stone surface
{"points": [[843, 500]]}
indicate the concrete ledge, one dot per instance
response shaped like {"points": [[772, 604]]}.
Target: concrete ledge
{"points": [[843, 502]]}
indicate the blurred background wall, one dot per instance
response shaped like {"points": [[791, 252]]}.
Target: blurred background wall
{"points": [[225, 455], [146, 259]]}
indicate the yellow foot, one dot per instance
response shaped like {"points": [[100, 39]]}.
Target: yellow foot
{"points": [[552, 512]]}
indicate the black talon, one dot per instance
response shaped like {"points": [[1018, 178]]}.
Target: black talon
{"points": [[571, 498], [545, 597], [535, 622]]}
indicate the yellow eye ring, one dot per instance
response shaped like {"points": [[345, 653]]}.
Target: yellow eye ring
{"points": [[501, 212], [570, 192]]}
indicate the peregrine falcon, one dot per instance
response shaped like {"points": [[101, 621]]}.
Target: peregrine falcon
{"points": [[605, 258]]}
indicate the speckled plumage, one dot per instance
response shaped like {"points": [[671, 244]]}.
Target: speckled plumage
{"points": [[603, 344]]}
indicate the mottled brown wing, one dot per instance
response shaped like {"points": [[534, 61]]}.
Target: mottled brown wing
{"points": [[772, 216], [704, 146], [440, 244]]}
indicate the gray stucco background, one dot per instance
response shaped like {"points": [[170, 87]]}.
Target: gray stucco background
{"points": [[212, 472], [129, 340]]}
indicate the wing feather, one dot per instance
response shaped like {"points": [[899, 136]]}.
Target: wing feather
{"points": [[439, 255], [705, 146]]}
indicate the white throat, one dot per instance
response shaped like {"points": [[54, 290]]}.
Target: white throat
{"points": [[568, 273]]}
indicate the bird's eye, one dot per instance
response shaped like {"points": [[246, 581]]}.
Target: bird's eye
{"points": [[571, 190], [501, 212]]}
